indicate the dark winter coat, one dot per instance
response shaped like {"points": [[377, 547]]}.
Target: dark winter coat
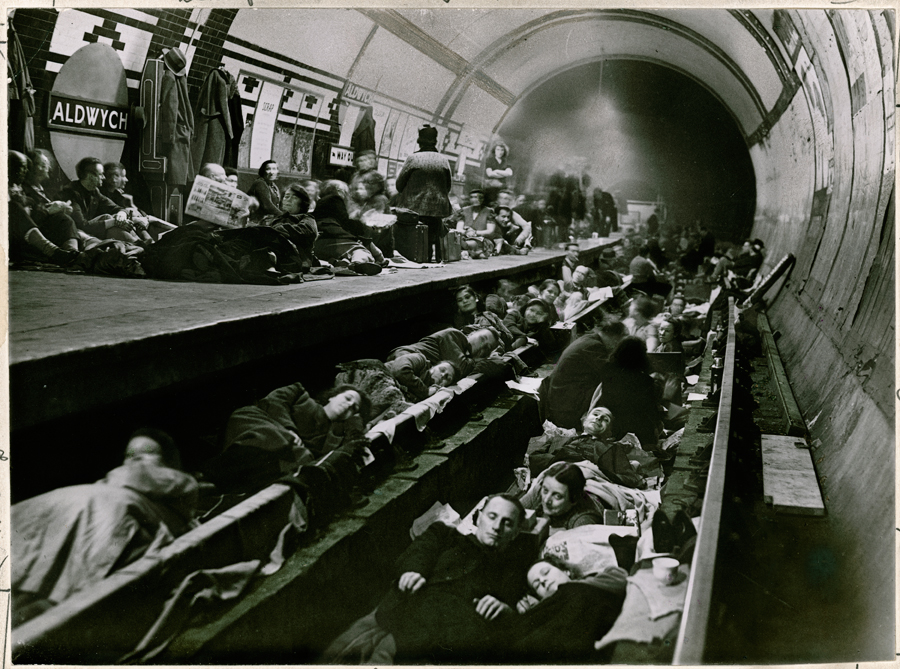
{"points": [[424, 184]]}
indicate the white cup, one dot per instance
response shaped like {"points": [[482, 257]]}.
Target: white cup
{"points": [[665, 570]]}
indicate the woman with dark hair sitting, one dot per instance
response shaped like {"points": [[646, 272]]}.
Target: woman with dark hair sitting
{"points": [[471, 312], [630, 393], [288, 429], [562, 499], [266, 191]]}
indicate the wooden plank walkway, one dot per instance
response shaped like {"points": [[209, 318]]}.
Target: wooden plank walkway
{"points": [[789, 477]]}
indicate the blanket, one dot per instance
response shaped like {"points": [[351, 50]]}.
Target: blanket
{"points": [[374, 379], [71, 537]]}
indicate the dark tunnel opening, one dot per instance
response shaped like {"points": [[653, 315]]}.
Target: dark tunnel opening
{"points": [[641, 129]]}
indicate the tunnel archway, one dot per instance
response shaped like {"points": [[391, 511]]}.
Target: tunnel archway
{"points": [[641, 131]]}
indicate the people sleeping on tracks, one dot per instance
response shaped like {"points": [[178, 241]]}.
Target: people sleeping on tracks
{"points": [[464, 350], [69, 538], [621, 462], [418, 377], [287, 430], [393, 386], [630, 393], [452, 596], [567, 613], [566, 394]]}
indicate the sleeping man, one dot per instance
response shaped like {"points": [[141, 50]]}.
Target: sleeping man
{"points": [[454, 595]]}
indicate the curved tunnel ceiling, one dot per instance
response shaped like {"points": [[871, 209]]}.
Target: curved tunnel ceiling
{"points": [[478, 63]]}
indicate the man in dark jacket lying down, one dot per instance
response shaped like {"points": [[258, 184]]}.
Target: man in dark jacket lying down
{"points": [[452, 594]]}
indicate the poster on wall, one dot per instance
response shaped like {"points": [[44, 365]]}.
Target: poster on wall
{"points": [[301, 158], [283, 144], [264, 123]]}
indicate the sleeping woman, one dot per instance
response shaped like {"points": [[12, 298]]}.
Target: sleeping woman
{"points": [[286, 429], [568, 614]]}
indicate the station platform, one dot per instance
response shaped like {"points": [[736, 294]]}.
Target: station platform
{"points": [[82, 342]]}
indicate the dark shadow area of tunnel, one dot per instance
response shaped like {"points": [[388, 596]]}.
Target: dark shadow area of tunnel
{"points": [[644, 130]]}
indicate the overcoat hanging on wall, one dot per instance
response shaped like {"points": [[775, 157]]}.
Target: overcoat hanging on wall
{"points": [[364, 134], [21, 96], [214, 131], [235, 110], [176, 128]]}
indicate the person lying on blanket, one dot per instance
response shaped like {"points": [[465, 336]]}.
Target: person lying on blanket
{"points": [[288, 429], [418, 377], [462, 349], [453, 595], [566, 615], [70, 538]]}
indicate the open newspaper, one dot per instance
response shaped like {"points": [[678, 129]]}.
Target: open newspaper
{"points": [[217, 203]]}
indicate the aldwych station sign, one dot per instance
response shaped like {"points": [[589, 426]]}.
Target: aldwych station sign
{"points": [[96, 118]]}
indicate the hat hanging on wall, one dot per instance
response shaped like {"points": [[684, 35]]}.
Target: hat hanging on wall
{"points": [[175, 61]]}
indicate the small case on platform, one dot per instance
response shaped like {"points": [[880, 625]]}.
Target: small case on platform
{"points": [[411, 241], [451, 246]]}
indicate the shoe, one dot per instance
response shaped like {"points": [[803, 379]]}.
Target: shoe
{"points": [[63, 257], [663, 533], [366, 268]]}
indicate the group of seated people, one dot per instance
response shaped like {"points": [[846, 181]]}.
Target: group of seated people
{"points": [[316, 229]]}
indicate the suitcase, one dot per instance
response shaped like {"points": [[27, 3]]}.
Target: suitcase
{"points": [[411, 241], [452, 245]]}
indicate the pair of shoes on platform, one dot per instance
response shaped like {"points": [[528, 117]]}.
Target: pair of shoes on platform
{"points": [[63, 257], [366, 268], [669, 536]]}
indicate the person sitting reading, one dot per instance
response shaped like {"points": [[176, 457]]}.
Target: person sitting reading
{"points": [[70, 538]]}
